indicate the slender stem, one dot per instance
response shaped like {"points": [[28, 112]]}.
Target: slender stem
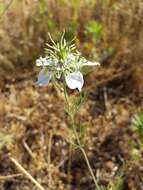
{"points": [[90, 169], [84, 154], [27, 174], [78, 139], [66, 98], [7, 177]]}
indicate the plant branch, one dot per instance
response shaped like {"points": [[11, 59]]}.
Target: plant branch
{"points": [[72, 117]]}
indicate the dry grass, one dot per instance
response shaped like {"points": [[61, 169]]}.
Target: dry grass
{"points": [[122, 21]]}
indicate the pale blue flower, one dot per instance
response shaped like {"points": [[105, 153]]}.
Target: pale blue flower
{"points": [[73, 80], [70, 69], [44, 77]]}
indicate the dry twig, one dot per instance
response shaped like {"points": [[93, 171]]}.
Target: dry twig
{"points": [[27, 174]]}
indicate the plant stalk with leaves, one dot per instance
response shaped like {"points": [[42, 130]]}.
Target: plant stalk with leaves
{"points": [[72, 110], [63, 66]]}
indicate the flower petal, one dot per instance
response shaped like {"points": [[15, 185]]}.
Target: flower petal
{"points": [[89, 63], [44, 61], [44, 77], [75, 80], [47, 61]]}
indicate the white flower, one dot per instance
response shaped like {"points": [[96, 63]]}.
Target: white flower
{"points": [[69, 69], [75, 80]]}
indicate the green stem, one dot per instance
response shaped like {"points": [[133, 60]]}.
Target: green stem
{"points": [[66, 97], [84, 154], [78, 139]]}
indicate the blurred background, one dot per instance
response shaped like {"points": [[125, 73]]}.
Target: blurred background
{"points": [[33, 125]]}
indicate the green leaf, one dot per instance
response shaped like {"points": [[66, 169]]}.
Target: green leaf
{"points": [[95, 29], [138, 124]]}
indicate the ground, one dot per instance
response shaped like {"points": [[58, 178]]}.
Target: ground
{"points": [[34, 128], [38, 125]]}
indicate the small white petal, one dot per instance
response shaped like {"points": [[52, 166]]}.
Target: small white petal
{"points": [[38, 62], [44, 61], [89, 63], [44, 77], [75, 80], [71, 57]]}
